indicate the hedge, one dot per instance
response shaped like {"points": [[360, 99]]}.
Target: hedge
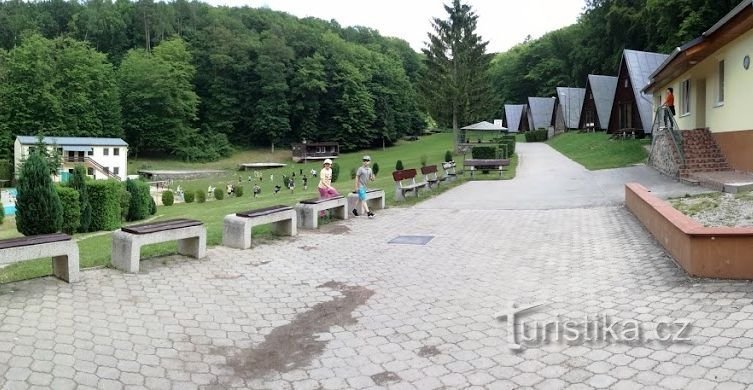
{"points": [[537, 136], [138, 207], [69, 198], [484, 152], [238, 191], [219, 194], [201, 196], [125, 204], [188, 197], [104, 197], [168, 198]]}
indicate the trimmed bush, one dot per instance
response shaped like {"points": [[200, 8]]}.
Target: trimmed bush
{"points": [[139, 203], [168, 198], [537, 136], [424, 160], [484, 152], [125, 204], [2, 214], [219, 194], [38, 207], [188, 197], [152, 206], [447, 156], [399, 165], [104, 197], [77, 181], [69, 200], [375, 169], [335, 171], [353, 173], [238, 190], [201, 196]]}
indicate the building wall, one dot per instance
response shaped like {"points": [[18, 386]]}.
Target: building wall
{"points": [[624, 94], [110, 161], [588, 113]]}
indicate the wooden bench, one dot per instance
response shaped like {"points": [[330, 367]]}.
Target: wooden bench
{"points": [[374, 198], [405, 181], [486, 165], [449, 170], [431, 176], [61, 247], [127, 242], [236, 232], [308, 210]]}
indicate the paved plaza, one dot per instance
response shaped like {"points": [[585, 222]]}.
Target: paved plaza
{"points": [[343, 308]]}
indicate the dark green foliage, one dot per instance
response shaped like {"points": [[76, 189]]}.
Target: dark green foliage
{"points": [[168, 198], [238, 190], [375, 168], [448, 156], [424, 160], [484, 152], [537, 136], [105, 198], [6, 170], [188, 197], [125, 204], [77, 181], [2, 214], [399, 165], [335, 171], [38, 207], [506, 145], [201, 196], [69, 199], [139, 206], [353, 173], [152, 206], [219, 194]]}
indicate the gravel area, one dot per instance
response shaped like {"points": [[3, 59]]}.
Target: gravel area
{"points": [[718, 209]]}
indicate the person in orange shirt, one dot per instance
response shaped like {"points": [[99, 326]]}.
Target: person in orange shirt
{"points": [[669, 102]]}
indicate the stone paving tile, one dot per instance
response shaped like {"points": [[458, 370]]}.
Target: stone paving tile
{"points": [[342, 309]]}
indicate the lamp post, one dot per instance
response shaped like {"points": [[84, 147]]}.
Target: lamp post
{"points": [[304, 150]]}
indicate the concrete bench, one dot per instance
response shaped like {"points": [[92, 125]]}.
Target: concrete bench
{"points": [[449, 170], [308, 210], [127, 242], [374, 198], [61, 247], [486, 165], [236, 232], [405, 181], [431, 176]]}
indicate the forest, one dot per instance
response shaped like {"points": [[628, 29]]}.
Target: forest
{"points": [[194, 81]]}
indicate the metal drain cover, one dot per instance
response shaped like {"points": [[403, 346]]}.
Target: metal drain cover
{"points": [[411, 240]]}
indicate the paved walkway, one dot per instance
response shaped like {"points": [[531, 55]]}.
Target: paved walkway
{"points": [[342, 308]]}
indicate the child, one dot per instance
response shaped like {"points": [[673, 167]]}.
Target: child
{"points": [[277, 189], [257, 190], [305, 182], [291, 183]]}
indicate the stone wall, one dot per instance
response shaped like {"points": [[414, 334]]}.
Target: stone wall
{"points": [[663, 156]]}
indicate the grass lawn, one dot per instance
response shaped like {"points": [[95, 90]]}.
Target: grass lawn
{"points": [[597, 151], [95, 247]]}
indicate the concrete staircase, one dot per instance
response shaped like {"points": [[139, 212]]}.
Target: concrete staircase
{"points": [[702, 154]]}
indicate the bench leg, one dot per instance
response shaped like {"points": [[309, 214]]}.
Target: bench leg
{"points": [[341, 212], [286, 228], [376, 203], [236, 233], [307, 217], [125, 253], [66, 267], [195, 246], [399, 194]]}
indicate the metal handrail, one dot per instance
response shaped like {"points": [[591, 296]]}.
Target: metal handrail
{"points": [[664, 116]]}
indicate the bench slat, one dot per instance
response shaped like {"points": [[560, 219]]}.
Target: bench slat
{"points": [[317, 200], [429, 169], [263, 211], [147, 228], [33, 240]]}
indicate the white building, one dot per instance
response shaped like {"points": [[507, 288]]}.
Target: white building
{"points": [[103, 158]]}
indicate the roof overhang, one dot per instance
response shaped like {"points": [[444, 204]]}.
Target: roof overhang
{"points": [[730, 27]]}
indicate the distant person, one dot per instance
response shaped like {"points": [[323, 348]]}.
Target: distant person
{"points": [[291, 183], [364, 174], [305, 181], [257, 190], [313, 172], [669, 102], [229, 188], [277, 189]]}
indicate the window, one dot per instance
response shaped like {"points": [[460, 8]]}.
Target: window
{"points": [[720, 92], [116, 170], [685, 97], [106, 151], [107, 169], [90, 171], [627, 84], [90, 152], [116, 151], [626, 116]]}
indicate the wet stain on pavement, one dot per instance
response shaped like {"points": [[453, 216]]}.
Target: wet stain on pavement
{"points": [[385, 377], [428, 351]]}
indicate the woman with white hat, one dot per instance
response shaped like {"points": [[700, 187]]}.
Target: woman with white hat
{"points": [[325, 181]]}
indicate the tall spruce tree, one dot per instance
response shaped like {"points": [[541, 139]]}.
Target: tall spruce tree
{"points": [[38, 207], [78, 183], [455, 84]]}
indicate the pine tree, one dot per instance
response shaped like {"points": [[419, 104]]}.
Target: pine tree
{"points": [[38, 207], [78, 183], [455, 85]]}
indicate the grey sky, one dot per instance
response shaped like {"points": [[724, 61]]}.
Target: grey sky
{"points": [[503, 23]]}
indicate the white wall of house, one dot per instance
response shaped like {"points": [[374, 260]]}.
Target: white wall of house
{"points": [[114, 158]]}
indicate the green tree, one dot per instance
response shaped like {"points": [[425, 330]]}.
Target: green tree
{"points": [[456, 68], [38, 207], [271, 120], [77, 181], [71, 206]]}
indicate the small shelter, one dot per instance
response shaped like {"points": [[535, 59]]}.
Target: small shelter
{"points": [[515, 117], [481, 131], [568, 105], [305, 151], [541, 113], [597, 106], [632, 109]]}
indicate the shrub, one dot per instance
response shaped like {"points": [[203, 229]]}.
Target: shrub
{"points": [[219, 194], [38, 207], [375, 169], [335, 171], [399, 165], [353, 173], [424, 159], [537, 136], [2, 214], [104, 197], [447, 156], [201, 196], [78, 183], [484, 152], [238, 190], [188, 197], [69, 200], [152, 206], [168, 198], [139, 203], [125, 204]]}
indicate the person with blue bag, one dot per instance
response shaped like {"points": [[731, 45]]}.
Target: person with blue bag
{"points": [[363, 176]]}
